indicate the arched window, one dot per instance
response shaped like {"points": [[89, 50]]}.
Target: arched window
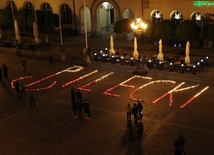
{"points": [[156, 16], [66, 15], [46, 8], [176, 16], [29, 7], [197, 17], [128, 13], [12, 5]]}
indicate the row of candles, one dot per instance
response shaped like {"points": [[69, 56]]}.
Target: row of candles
{"points": [[105, 56]]}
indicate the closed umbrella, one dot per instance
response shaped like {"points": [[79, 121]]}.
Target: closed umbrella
{"points": [[111, 50], [187, 58], [135, 53], [17, 33], [160, 54], [35, 32]]}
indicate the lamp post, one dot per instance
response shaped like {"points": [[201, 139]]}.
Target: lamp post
{"points": [[139, 27], [63, 57]]}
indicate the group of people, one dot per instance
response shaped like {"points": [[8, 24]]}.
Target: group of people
{"points": [[137, 111], [80, 108], [3, 71], [21, 93]]}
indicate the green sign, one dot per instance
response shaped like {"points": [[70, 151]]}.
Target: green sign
{"points": [[203, 3]]}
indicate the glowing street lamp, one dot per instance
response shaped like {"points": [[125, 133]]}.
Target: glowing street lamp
{"points": [[139, 27]]}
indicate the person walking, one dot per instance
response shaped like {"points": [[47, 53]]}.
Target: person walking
{"points": [[128, 112], [51, 59], [86, 110], [31, 99], [24, 64]]}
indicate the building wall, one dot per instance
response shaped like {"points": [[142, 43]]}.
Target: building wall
{"points": [[140, 8]]}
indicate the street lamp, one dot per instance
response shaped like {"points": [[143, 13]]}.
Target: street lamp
{"points": [[139, 27]]}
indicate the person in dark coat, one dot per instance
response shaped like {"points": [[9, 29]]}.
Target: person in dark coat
{"points": [[86, 109], [5, 70], [179, 145], [17, 88], [31, 99], [79, 95], [0, 74], [135, 112]]}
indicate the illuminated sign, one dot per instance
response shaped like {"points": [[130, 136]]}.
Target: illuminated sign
{"points": [[203, 3]]}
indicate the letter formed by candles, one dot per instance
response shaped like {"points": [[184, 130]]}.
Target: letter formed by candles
{"points": [[69, 70]]}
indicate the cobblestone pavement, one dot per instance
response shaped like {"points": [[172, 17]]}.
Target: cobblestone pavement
{"points": [[50, 128]]}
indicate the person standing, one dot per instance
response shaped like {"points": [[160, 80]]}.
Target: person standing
{"points": [[17, 88], [135, 112], [128, 112], [5, 70], [31, 99], [179, 144], [24, 64], [23, 89], [79, 95], [51, 59], [0, 74], [86, 109]]}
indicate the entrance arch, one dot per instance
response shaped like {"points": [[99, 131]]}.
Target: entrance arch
{"points": [[111, 17]]}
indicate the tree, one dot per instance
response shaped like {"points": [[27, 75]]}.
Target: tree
{"points": [[187, 30], [20, 16], [122, 26], [210, 32], [6, 19], [164, 30]]}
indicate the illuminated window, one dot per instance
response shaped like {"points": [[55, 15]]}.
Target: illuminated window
{"points": [[156, 16], [66, 15], [176, 16], [197, 16]]}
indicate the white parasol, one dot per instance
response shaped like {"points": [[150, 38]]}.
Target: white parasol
{"points": [[35, 32], [187, 58], [135, 53], [17, 33], [111, 50], [160, 54]]}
